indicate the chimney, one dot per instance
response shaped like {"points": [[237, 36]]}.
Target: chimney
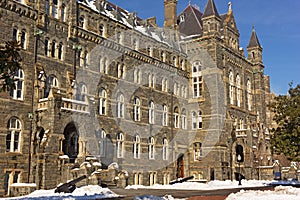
{"points": [[170, 14]]}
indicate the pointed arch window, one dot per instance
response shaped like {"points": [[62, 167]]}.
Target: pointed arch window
{"points": [[137, 75], [120, 145], [198, 153], [46, 46], [81, 92], [103, 63], [53, 49], [249, 95], [164, 84], [55, 8], [13, 137], [63, 12], [60, 51], [231, 88], [164, 115], [18, 91], [81, 22], [102, 101], [238, 91], [23, 39], [136, 109], [121, 70], [102, 144], [151, 148], [151, 112], [183, 119], [151, 80], [176, 117], [136, 147], [120, 106], [165, 144], [101, 30], [15, 34]]}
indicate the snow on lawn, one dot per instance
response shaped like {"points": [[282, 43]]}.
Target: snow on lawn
{"points": [[280, 193], [189, 185], [82, 193]]}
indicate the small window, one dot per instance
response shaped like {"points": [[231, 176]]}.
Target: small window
{"points": [[102, 104], [15, 34], [23, 39], [17, 92], [151, 148], [120, 145], [165, 149], [136, 147], [63, 12], [13, 136], [60, 51], [81, 22], [53, 49]]}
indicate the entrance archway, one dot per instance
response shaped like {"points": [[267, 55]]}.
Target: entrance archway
{"points": [[180, 166], [70, 143]]}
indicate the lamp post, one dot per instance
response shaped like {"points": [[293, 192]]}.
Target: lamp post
{"points": [[239, 159]]}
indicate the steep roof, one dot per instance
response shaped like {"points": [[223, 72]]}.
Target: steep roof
{"points": [[191, 23], [254, 42], [210, 9]]}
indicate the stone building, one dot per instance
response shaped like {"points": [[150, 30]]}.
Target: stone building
{"points": [[105, 93]]}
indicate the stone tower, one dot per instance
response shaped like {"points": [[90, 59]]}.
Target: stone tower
{"points": [[170, 13]]}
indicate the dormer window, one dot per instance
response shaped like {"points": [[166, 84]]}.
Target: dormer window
{"points": [[182, 18]]}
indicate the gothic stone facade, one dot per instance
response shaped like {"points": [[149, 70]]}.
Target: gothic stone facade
{"points": [[100, 87]]}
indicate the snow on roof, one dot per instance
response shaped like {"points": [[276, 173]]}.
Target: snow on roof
{"points": [[123, 16], [64, 157], [23, 185]]}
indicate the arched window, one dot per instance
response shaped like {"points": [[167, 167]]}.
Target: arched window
{"points": [[13, 137], [164, 84], [238, 91], [55, 8], [60, 51], [183, 119], [18, 92], [51, 82], [231, 88], [249, 95], [63, 12], [102, 144], [197, 79], [23, 39], [120, 145], [120, 106], [53, 49], [136, 147], [151, 80], [47, 11], [239, 150], [176, 117], [81, 22], [165, 149], [151, 148], [15, 34], [102, 101], [135, 44], [137, 75], [175, 61], [101, 30], [46, 46], [81, 92], [194, 120], [103, 63], [121, 70], [151, 112], [162, 56], [164, 115], [136, 109]]}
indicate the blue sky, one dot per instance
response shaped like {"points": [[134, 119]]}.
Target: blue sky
{"points": [[277, 25]]}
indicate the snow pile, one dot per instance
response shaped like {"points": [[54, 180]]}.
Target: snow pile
{"points": [[85, 192], [213, 185], [280, 193]]}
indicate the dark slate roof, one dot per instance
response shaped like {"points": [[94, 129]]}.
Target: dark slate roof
{"points": [[253, 40], [210, 9], [192, 24]]}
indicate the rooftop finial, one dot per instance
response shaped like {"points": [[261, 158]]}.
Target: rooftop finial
{"points": [[253, 29], [189, 2], [229, 5]]}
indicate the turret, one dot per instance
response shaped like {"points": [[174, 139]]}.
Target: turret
{"points": [[211, 19], [254, 48], [170, 14]]}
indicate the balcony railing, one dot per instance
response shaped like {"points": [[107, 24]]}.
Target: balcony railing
{"points": [[74, 106]]}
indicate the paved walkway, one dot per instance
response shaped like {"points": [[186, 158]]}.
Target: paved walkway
{"points": [[183, 194]]}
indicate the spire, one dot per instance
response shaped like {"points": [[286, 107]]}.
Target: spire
{"points": [[210, 9], [253, 40]]}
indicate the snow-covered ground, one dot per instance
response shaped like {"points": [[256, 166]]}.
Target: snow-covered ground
{"points": [[280, 193], [213, 185], [82, 193]]}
